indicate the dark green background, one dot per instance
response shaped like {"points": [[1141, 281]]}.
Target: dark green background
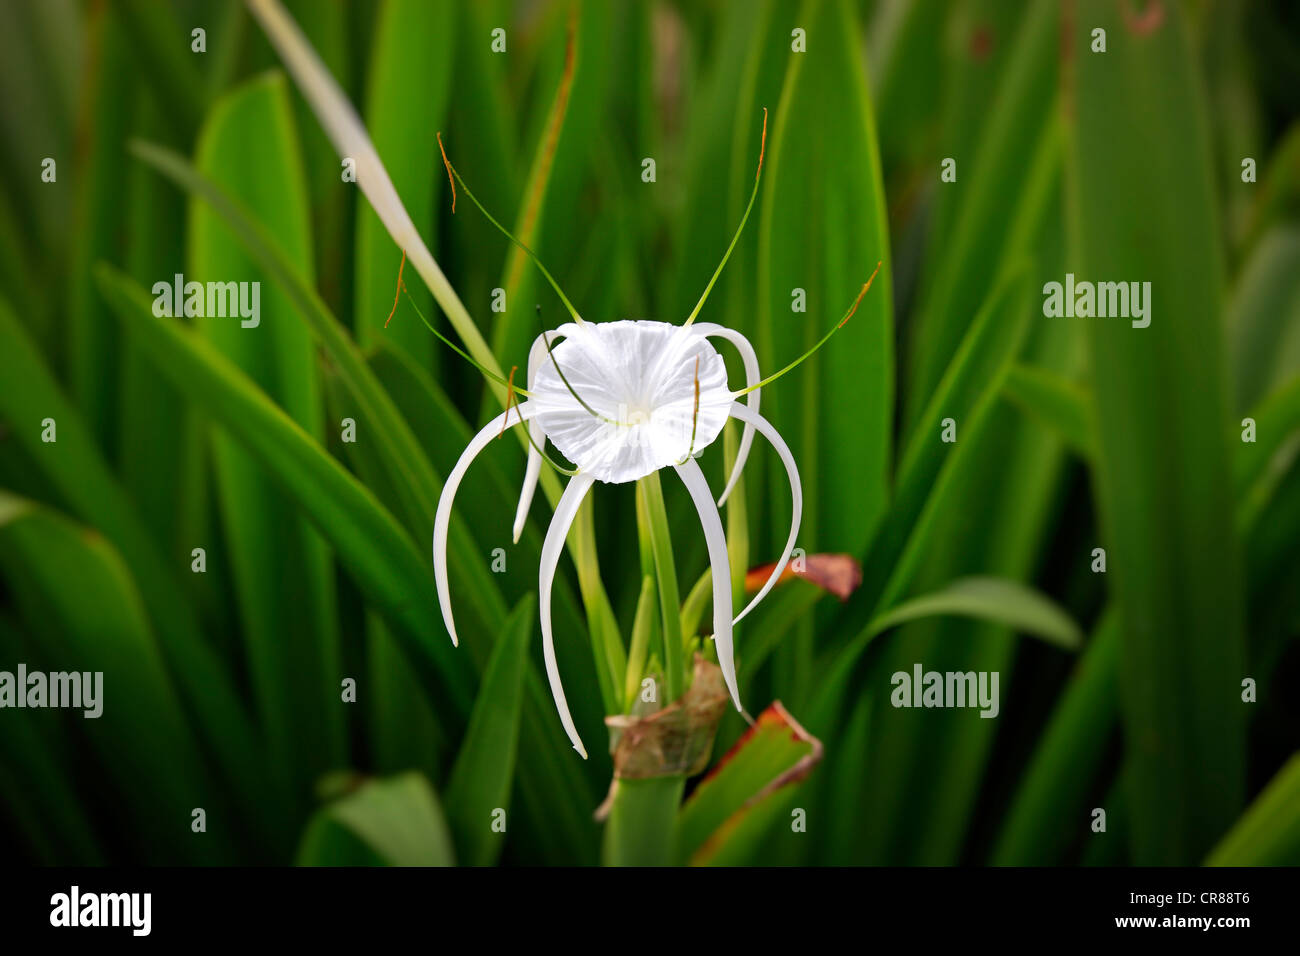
{"points": [[222, 689]]}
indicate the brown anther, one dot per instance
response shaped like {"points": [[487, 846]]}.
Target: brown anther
{"points": [[397, 294], [865, 286], [451, 179]]}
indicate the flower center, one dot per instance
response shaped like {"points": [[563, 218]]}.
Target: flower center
{"points": [[636, 409]]}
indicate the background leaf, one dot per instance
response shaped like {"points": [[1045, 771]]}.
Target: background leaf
{"points": [[1099, 471], [1006, 602], [281, 568], [1268, 834], [480, 781], [393, 822], [1161, 395], [744, 792]]}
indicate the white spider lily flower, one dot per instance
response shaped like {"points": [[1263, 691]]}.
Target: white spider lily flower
{"points": [[536, 358], [621, 400], [635, 397]]}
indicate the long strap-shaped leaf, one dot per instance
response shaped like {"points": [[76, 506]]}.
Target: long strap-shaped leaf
{"points": [[1164, 485], [1268, 833], [76, 471], [369, 542], [394, 822], [401, 453], [140, 732], [480, 781]]}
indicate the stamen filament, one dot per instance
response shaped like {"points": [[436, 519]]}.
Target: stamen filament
{"points": [[695, 415], [576, 397], [546, 342], [739, 229], [455, 175], [458, 350], [806, 355], [528, 432], [570, 472]]}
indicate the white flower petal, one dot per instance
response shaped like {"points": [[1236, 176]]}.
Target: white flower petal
{"points": [[796, 491], [716, 539], [639, 378], [532, 471], [536, 356], [346, 131], [565, 511], [748, 356], [442, 519]]}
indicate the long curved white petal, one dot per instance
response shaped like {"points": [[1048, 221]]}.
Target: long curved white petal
{"points": [[346, 131], [796, 492], [536, 355], [442, 519], [750, 359], [565, 510], [532, 471], [716, 539]]}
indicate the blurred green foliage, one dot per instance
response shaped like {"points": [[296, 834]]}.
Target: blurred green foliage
{"points": [[227, 689]]}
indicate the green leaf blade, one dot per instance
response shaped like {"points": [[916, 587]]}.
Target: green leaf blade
{"points": [[1147, 213], [993, 599], [391, 822], [480, 782], [281, 567]]}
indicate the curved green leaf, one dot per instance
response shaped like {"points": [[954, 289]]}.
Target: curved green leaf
{"points": [[281, 568], [77, 474], [990, 183], [100, 204], [411, 52], [1264, 317], [573, 89], [735, 801], [368, 541], [406, 466], [1257, 467], [393, 822], [1147, 212], [481, 778], [137, 727], [1268, 833], [1041, 822], [965, 395], [991, 599], [1056, 401], [404, 461], [823, 228]]}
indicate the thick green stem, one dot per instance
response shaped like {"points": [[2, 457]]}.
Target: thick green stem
{"points": [[642, 822]]}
